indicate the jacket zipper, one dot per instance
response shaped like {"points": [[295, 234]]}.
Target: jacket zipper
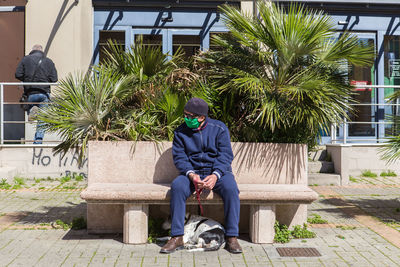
{"points": [[202, 150]]}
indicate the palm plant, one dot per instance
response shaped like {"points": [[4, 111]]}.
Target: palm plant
{"points": [[280, 75], [131, 96], [391, 150], [80, 109]]}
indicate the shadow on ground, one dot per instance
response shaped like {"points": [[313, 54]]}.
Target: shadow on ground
{"points": [[50, 214], [386, 210]]}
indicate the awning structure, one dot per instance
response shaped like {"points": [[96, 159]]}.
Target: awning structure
{"points": [[165, 3], [377, 7]]}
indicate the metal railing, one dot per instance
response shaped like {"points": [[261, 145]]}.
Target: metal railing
{"points": [[334, 138], [2, 103], [345, 124]]}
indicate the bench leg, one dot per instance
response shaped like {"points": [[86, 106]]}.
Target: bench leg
{"points": [[291, 215], [135, 223], [262, 220]]}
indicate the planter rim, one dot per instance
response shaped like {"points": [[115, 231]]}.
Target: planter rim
{"points": [[166, 141]]}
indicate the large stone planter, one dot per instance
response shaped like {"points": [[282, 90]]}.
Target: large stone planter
{"points": [[146, 162]]}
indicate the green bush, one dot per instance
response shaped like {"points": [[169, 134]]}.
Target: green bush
{"points": [[61, 224], [4, 184], [19, 181], [316, 219], [368, 173], [299, 232], [352, 179], [155, 229], [388, 173], [79, 178], [283, 234], [65, 179], [78, 223]]}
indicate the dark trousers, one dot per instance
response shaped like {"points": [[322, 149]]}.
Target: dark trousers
{"points": [[226, 187]]}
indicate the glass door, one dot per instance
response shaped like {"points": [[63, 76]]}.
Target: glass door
{"points": [[361, 125], [392, 78]]}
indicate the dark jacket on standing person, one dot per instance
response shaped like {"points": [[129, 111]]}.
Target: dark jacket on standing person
{"points": [[206, 149], [45, 73]]}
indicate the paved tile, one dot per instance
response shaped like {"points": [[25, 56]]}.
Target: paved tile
{"points": [[346, 241]]}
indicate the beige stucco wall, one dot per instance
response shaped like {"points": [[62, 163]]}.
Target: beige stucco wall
{"points": [[65, 29]]}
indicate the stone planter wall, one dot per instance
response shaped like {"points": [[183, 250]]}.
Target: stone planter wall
{"points": [[353, 159], [145, 162]]}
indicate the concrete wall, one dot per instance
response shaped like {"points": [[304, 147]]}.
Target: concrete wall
{"points": [[353, 159], [65, 30], [39, 162]]}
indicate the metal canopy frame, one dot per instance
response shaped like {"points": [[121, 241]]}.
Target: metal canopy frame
{"points": [[165, 3]]}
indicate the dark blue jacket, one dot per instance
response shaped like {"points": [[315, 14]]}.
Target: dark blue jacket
{"points": [[206, 149]]}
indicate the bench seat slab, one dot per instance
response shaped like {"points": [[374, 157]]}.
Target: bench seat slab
{"points": [[159, 194]]}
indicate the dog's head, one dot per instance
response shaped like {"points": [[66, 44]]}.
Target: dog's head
{"points": [[167, 224]]}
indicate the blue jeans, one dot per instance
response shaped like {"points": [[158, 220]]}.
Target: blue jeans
{"points": [[39, 130], [226, 187]]}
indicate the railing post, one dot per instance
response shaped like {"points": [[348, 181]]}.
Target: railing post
{"points": [[345, 131], [333, 133], [2, 113]]}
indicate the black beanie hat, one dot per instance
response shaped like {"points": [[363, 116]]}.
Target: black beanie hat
{"points": [[197, 106]]}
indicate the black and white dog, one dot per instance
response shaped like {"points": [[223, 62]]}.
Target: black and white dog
{"points": [[200, 233]]}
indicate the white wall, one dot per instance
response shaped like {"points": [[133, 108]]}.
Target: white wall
{"points": [[40, 162]]}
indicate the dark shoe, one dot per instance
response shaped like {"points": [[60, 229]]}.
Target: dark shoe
{"points": [[173, 244], [232, 245]]}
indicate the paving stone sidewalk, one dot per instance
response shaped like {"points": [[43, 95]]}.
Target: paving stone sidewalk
{"points": [[358, 217]]}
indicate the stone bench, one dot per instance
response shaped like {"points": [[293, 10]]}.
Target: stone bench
{"points": [[125, 179]]}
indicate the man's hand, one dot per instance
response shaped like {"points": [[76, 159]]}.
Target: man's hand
{"points": [[209, 181], [195, 178]]}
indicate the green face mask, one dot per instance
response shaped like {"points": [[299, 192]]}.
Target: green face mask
{"points": [[192, 123]]}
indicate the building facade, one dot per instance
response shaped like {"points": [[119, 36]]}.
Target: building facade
{"points": [[73, 33]]}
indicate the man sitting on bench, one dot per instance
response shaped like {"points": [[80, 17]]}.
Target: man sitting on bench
{"points": [[203, 155]]}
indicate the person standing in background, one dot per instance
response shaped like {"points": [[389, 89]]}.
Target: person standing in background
{"points": [[36, 67]]}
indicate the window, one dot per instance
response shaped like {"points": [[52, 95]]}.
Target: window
{"points": [[150, 39], [117, 36], [190, 44]]}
